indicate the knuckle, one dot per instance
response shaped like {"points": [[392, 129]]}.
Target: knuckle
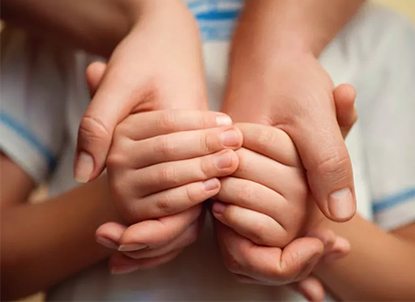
{"points": [[167, 121], [233, 265], [93, 129], [246, 194], [333, 165], [206, 145], [165, 205], [164, 146], [266, 137], [193, 196], [167, 175], [115, 159]]}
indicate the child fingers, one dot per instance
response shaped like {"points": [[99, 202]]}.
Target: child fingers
{"points": [[268, 264], [257, 227], [174, 146], [152, 234], [287, 181], [183, 240], [257, 197], [121, 264], [271, 142], [172, 201], [149, 124], [109, 234], [174, 174]]}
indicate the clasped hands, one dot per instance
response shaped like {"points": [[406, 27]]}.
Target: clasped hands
{"points": [[163, 165]]}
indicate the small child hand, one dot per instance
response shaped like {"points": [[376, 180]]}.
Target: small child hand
{"points": [[265, 208], [162, 165]]}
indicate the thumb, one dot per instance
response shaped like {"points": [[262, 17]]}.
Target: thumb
{"points": [[344, 100], [110, 104], [94, 74], [327, 163]]}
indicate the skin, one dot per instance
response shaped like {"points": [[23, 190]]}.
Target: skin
{"points": [[120, 29], [291, 35], [74, 216]]}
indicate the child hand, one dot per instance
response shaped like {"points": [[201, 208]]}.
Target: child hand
{"points": [[263, 210], [240, 235], [156, 66], [162, 165]]}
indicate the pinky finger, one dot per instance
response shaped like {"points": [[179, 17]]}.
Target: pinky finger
{"points": [[311, 288], [121, 264]]}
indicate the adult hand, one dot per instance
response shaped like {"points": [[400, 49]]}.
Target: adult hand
{"points": [[296, 95], [156, 66]]}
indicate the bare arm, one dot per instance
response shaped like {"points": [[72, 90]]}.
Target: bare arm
{"points": [[307, 25], [41, 244], [274, 62], [95, 25], [381, 265]]}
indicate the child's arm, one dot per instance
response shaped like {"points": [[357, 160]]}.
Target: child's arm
{"points": [[380, 266], [44, 243]]}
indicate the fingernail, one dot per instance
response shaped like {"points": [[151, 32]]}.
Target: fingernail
{"points": [[124, 269], [84, 167], [211, 184], [333, 256], [131, 247], [341, 204], [108, 243], [224, 160], [223, 120], [230, 138], [218, 207]]}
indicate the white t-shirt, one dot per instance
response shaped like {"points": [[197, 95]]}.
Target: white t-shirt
{"points": [[44, 94]]}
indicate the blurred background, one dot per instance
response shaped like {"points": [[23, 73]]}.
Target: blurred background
{"points": [[405, 7]]}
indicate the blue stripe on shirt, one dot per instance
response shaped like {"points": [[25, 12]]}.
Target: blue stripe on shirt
{"points": [[31, 138], [393, 200], [218, 15]]}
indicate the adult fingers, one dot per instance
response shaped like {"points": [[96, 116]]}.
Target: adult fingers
{"points": [[344, 100], [176, 146], [327, 163], [109, 105], [94, 73]]}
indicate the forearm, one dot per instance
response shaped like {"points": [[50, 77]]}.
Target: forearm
{"points": [[94, 25], [307, 25], [381, 265], [42, 244]]}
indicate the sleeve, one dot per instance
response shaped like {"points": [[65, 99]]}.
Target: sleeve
{"points": [[32, 103], [388, 121]]}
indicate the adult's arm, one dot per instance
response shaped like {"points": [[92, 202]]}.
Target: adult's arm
{"points": [[275, 78], [94, 25]]}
